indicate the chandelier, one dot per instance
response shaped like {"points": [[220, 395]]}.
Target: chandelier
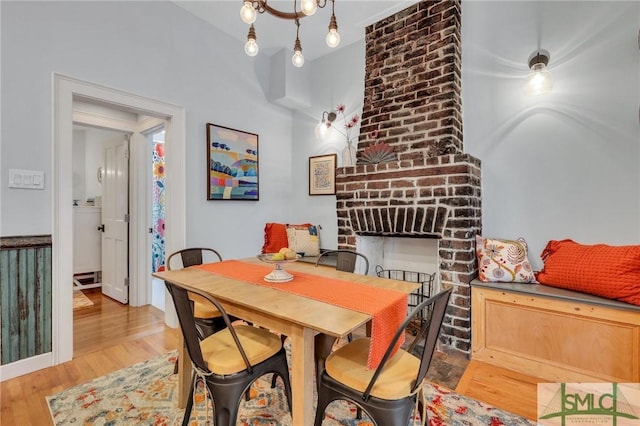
{"points": [[251, 8]]}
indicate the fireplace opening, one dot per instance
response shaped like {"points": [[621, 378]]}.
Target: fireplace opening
{"points": [[406, 259], [403, 253]]}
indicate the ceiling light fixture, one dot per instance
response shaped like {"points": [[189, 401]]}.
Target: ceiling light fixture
{"points": [[251, 8], [539, 81]]}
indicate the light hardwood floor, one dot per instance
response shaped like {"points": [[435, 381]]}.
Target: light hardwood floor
{"points": [[500, 387], [109, 323], [107, 337], [110, 336]]}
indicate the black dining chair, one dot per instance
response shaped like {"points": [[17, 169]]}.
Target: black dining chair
{"points": [[228, 361], [387, 394], [208, 318]]}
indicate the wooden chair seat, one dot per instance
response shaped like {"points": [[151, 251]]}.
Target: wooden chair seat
{"points": [[221, 353], [348, 365], [202, 309]]}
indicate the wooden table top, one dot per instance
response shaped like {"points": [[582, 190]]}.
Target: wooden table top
{"points": [[319, 316]]}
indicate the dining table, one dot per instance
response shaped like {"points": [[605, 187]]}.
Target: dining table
{"points": [[310, 323]]}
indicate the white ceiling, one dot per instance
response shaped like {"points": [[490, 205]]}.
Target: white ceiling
{"points": [[274, 34]]}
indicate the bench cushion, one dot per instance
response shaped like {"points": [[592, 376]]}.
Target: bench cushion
{"points": [[603, 270]]}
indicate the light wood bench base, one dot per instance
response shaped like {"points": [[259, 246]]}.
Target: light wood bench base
{"points": [[553, 334]]}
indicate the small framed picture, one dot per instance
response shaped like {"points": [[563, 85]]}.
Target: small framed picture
{"points": [[232, 164], [322, 174]]}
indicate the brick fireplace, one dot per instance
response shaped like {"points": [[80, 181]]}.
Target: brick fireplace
{"points": [[413, 102]]}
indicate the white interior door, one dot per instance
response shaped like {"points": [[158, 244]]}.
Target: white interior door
{"points": [[115, 219]]}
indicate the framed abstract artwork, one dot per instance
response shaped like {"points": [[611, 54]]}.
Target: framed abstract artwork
{"points": [[232, 164], [322, 174]]}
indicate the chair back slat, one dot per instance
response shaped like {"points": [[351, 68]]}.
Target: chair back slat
{"points": [[432, 315], [193, 256], [184, 310], [346, 260]]}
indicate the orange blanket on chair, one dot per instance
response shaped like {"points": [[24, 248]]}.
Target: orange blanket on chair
{"points": [[388, 308]]}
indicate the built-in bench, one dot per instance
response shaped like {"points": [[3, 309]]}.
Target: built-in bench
{"points": [[555, 334]]}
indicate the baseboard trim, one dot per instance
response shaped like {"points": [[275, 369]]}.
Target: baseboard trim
{"points": [[25, 366]]}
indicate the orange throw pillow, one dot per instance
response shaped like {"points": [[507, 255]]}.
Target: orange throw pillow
{"points": [[275, 236], [607, 271]]}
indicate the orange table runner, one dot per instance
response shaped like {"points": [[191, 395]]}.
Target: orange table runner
{"points": [[388, 308]]}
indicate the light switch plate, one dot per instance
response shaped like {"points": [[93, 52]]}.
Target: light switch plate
{"points": [[26, 179]]}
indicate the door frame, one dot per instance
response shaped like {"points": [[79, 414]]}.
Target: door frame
{"points": [[65, 89]]}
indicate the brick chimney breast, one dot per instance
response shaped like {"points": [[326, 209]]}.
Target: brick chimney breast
{"points": [[413, 100]]}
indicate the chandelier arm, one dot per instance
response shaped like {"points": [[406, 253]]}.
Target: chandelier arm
{"points": [[264, 7]]}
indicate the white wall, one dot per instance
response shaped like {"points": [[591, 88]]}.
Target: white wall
{"points": [[96, 141], [336, 79], [565, 165], [88, 156], [79, 164], [153, 49]]}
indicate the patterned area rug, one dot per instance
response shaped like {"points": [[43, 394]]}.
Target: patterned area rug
{"points": [[80, 300], [144, 394]]}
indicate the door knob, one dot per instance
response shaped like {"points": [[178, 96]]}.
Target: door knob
{"points": [[101, 228]]}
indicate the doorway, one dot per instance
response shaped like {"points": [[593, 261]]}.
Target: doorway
{"points": [[67, 91]]}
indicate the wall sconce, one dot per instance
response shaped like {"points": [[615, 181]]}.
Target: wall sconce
{"points": [[539, 81], [324, 124]]}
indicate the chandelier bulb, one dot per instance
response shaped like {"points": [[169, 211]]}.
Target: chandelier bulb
{"points": [[333, 38], [251, 47], [309, 7], [248, 13], [297, 59]]}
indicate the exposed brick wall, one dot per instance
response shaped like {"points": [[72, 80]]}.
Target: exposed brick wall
{"points": [[413, 100], [413, 80]]}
